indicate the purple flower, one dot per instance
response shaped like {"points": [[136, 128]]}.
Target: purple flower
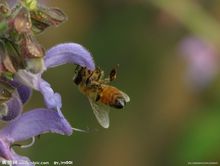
{"points": [[39, 121], [69, 53], [25, 80], [58, 55], [14, 106], [29, 125], [21, 68], [202, 61]]}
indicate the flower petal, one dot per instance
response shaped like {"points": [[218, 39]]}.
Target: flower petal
{"points": [[13, 108], [51, 99], [36, 122], [8, 154], [21, 160], [24, 93], [4, 150], [69, 53], [27, 78]]}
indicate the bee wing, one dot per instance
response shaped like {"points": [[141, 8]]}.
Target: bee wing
{"points": [[126, 97], [101, 112]]}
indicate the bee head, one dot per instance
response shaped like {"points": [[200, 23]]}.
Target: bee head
{"points": [[77, 78], [81, 74]]}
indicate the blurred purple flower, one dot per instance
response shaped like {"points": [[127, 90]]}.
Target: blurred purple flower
{"points": [[29, 125], [202, 61]]}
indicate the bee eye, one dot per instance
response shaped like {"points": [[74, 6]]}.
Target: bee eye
{"points": [[77, 79]]}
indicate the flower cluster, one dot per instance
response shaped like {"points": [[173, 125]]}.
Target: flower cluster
{"points": [[22, 62], [202, 61]]}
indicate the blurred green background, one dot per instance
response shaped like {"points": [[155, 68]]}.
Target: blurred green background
{"points": [[167, 122]]}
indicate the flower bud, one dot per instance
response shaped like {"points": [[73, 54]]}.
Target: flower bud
{"points": [[4, 9], [22, 22], [4, 12], [5, 61], [30, 48], [14, 57], [35, 65], [43, 18]]}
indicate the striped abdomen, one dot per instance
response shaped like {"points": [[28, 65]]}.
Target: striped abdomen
{"points": [[112, 96]]}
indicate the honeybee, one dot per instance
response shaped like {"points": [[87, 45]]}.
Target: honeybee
{"points": [[101, 95]]}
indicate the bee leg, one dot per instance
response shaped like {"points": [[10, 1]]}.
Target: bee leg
{"points": [[102, 74], [98, 97], [112, 75]]}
